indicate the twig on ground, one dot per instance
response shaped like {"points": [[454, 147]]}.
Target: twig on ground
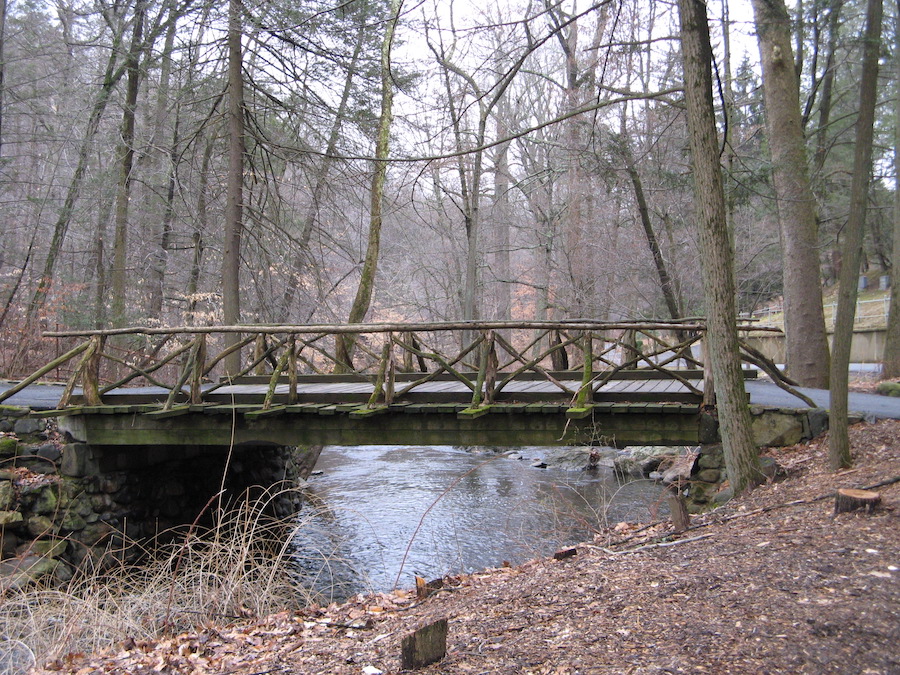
{"points": [[661, 544]]}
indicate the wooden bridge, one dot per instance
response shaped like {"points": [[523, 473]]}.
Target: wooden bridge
{"points": [[468, 383]]}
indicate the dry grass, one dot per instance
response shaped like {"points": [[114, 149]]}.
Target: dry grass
{"points": [[240, 568]]}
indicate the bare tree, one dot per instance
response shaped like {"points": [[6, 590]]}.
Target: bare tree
{"points": [[125, 154], [838, 437], [804, 320], [717, 267], [382, 144], [234, 222], [891, 359]]}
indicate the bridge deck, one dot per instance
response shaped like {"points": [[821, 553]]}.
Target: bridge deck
{"points": [[637, 391]]}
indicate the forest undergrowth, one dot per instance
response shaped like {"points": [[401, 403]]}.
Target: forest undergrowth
{"points": [[240, 567]]}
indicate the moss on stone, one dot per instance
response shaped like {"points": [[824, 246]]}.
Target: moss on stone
{"points": [[10, 518], [7, 495], [8, 446], [13, 411], [889, 388], [45, 501]]}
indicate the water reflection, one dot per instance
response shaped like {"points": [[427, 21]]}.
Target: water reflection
{"points": [[384, 513]]}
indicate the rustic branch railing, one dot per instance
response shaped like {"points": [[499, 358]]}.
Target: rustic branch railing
{"points": [[577, 357]]}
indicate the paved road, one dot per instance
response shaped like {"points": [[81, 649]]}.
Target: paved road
{"points": [[46, 397], [871, 405], [35, 396]]}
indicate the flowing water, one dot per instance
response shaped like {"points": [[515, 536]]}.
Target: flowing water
{"points": [[381, 514]]}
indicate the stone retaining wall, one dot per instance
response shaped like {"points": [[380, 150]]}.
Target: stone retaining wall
{"points": [[771, 427], [63, 503]]}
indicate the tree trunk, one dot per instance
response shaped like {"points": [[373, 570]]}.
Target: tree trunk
{"points": [[3, 4], [231, 254], [100, 289], [891, 360], [804, 320], [502, 181], [125, 156], [159, 260], [717, 262], [838, 436], [827, 86], [320, 179], [111, 77], [665, 280], [363, 297], [197, 237]]}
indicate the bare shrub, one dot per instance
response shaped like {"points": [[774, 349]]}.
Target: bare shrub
{"points": [[241, 567]]}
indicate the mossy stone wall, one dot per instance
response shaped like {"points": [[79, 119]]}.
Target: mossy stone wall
{"points": [[63, 503]]}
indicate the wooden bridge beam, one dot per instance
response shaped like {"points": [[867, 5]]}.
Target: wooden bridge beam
{"points": [[503, 426]]}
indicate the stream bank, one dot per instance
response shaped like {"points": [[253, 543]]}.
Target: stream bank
{"points": [[772, 582]]}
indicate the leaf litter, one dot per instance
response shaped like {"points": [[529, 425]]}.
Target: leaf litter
{"points": [[772, 582]]}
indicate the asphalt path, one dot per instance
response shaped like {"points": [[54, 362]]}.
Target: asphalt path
{"points": [[872, 406], [34, 396]]}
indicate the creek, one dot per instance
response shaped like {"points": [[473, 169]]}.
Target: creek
{"points": [[378, 515]]}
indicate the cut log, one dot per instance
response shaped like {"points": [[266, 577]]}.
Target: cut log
{"points": [[424, 646], [565, 553], [849, 499]]}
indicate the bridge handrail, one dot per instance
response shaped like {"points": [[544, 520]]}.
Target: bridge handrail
{"points": [[694, 324], [497, 353]]}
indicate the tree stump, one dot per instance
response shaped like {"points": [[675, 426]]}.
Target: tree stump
{"points": [[678, 508], [849, 499], [426, 588], [426, 645]]}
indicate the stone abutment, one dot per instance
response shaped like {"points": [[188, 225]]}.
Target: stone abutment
{"points": [[64, 503]]}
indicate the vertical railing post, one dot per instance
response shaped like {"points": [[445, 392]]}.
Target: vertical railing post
{"points": [[409, 338], [487, 372], [198, 367], [283, 364], [585, 393], [259, 348], [292, 369], [90, 378], [391, 372], [378, 391]]}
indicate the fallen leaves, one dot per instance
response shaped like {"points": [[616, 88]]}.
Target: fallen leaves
{"points": [[787, 589]]}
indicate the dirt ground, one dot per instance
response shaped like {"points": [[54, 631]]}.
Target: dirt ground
{"points": [[773, 582]]}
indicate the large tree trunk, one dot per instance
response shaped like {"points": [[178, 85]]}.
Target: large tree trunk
{"points": [[231, 254], [717, 261], [892, 343], [838, 437], [804, 320], [366, 286]]}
